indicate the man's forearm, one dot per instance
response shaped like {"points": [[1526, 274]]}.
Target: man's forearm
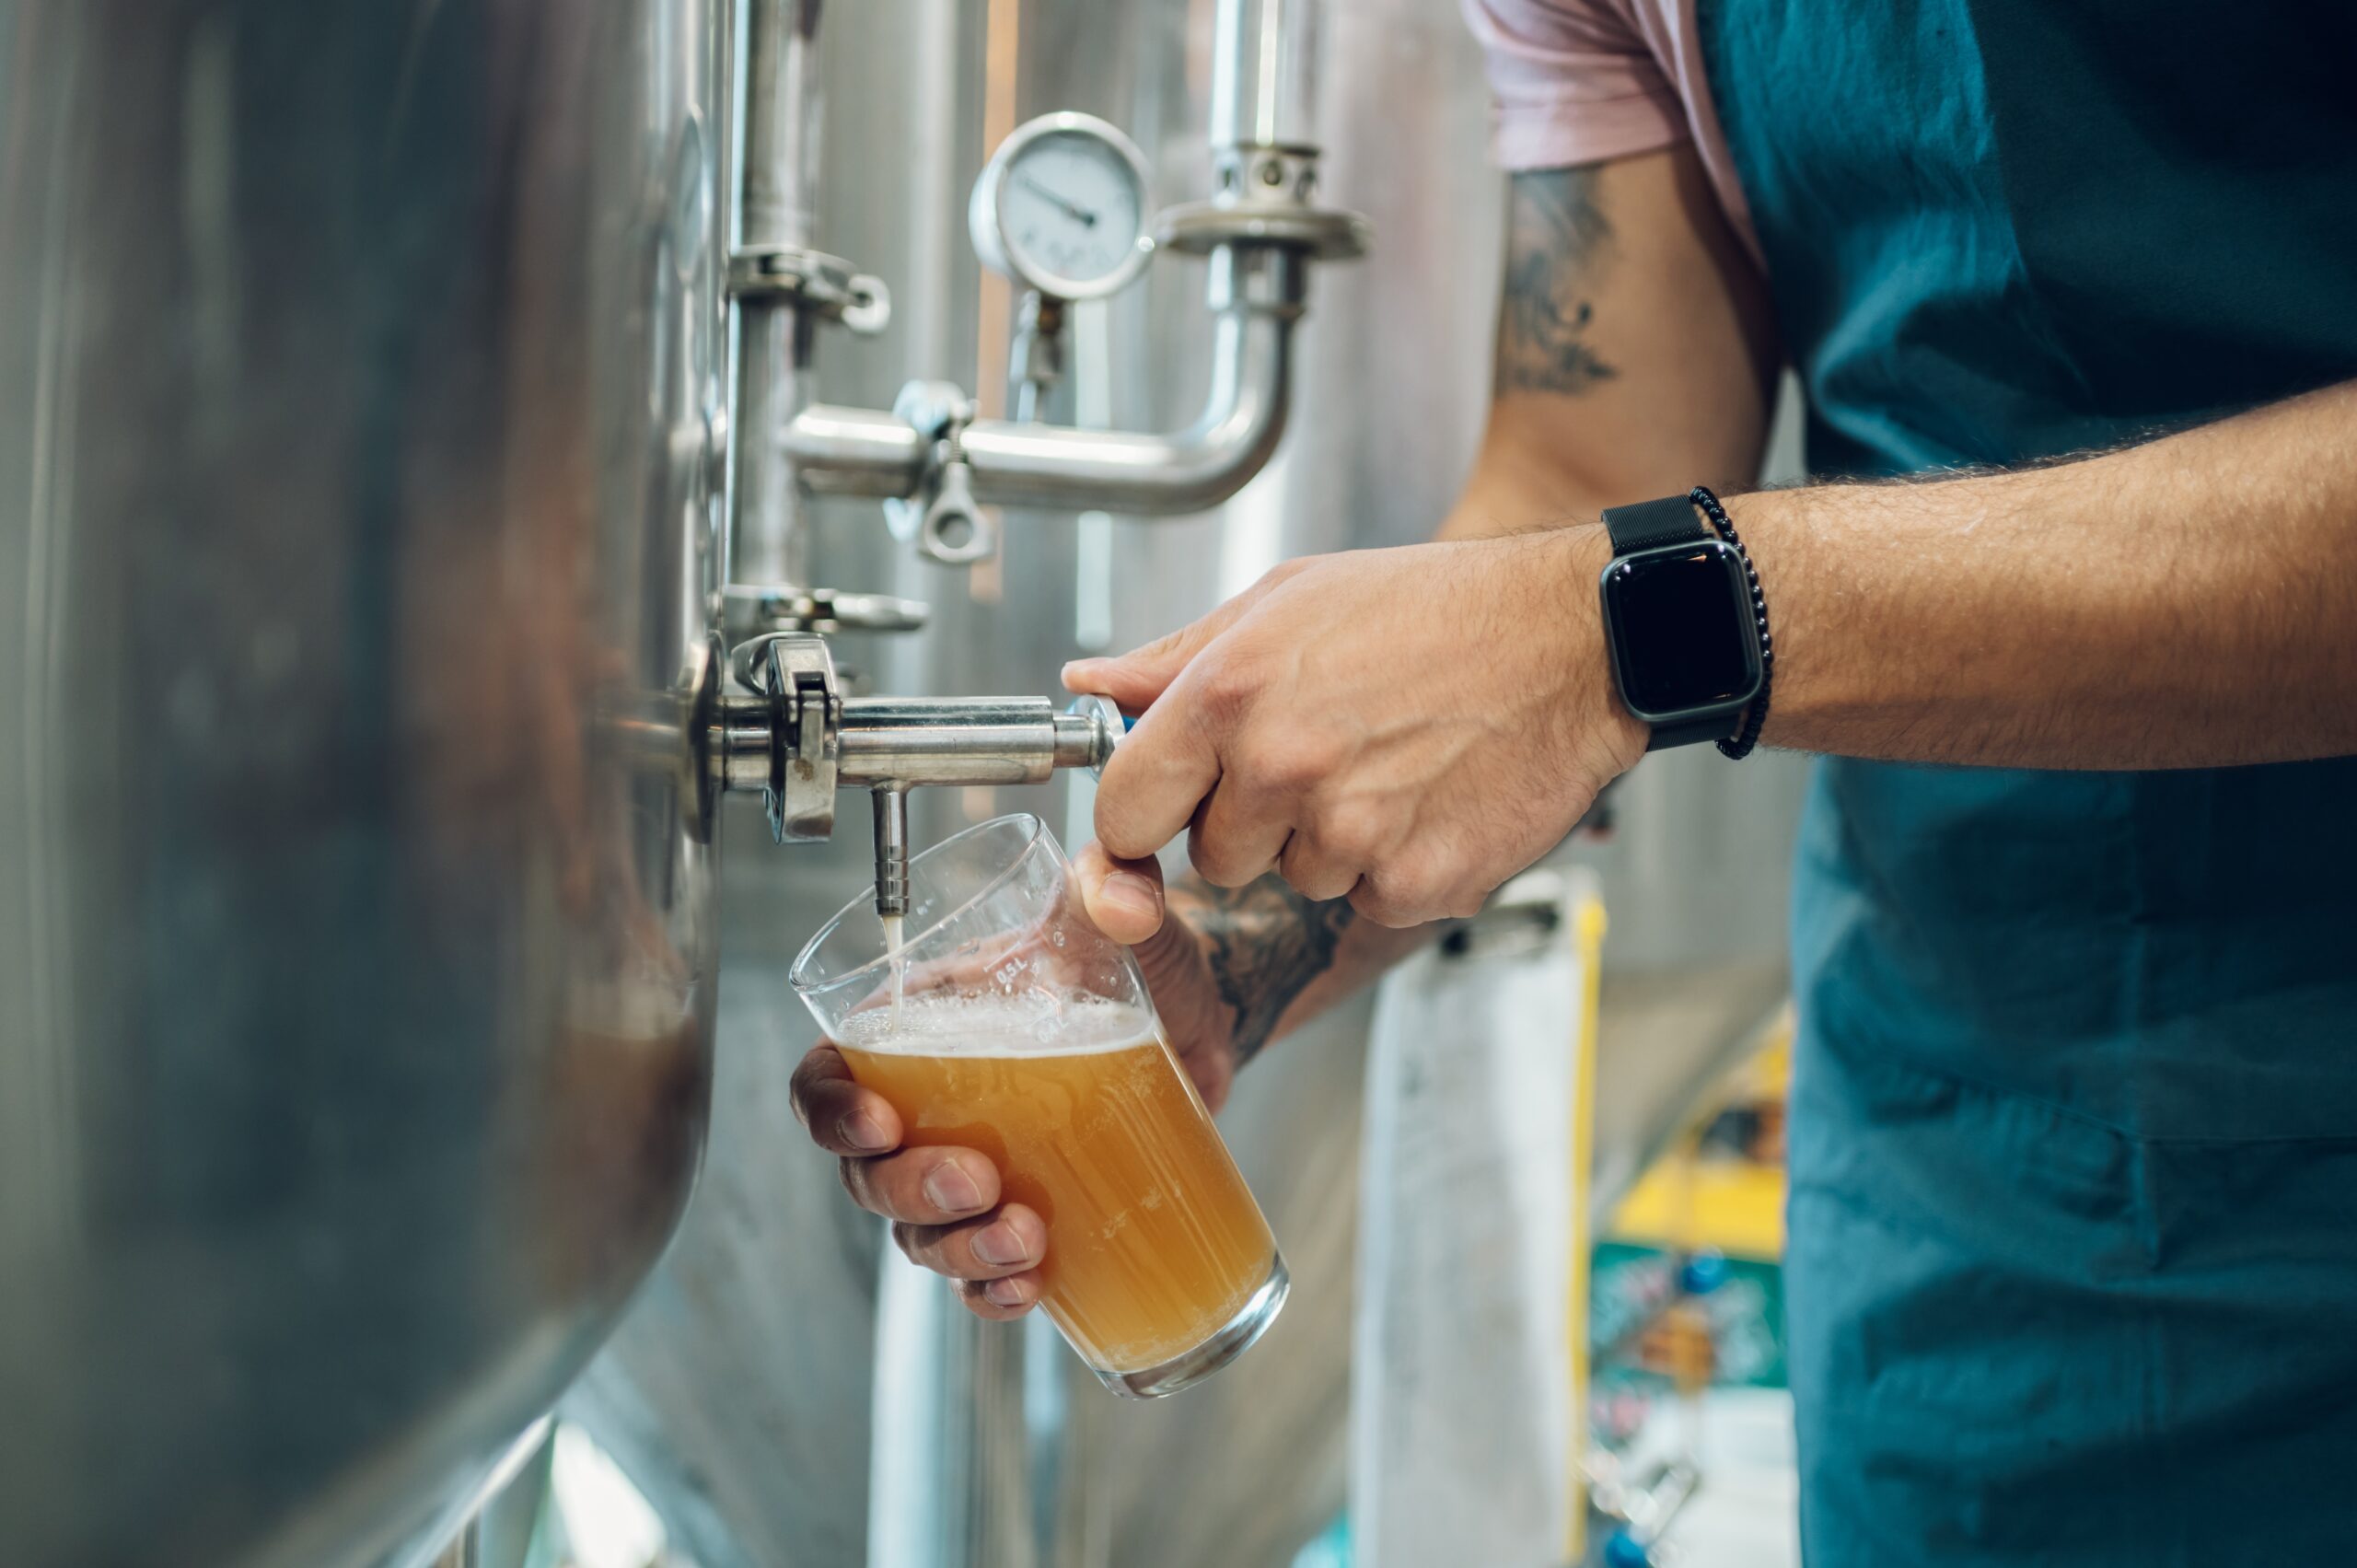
{"points": [[2189, 602], [1279, 958]]}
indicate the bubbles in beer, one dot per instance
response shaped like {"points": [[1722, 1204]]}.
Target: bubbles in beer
{"points": [[1153, 1242], [1037, 1022]]}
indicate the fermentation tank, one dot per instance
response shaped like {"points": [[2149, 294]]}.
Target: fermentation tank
{"points": [[358, 364]]}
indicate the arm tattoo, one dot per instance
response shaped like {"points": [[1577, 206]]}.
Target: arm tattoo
{"points": [[1266, 944], [1554, 233]]}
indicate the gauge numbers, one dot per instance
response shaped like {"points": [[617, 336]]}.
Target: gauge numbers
{"points": [[1062, 208]]}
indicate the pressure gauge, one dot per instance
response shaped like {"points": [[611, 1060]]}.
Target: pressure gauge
{"points": [[1061, 208]]}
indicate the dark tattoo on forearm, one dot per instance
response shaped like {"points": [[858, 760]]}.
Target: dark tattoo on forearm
{"points": [[1555, 234], [1266, 944]]}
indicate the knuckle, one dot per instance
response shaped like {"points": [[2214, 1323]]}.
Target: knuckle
{"points": [[1311, 877], [1398, 898], [1215, 861], [1351, 831], [1282, 573]]}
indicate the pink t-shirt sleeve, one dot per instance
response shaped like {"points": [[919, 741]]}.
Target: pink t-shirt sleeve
{"points": [[1572, 82]]}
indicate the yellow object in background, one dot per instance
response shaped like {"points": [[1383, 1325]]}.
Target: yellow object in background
{"points": [[1735, 1206], [1587, 933]]}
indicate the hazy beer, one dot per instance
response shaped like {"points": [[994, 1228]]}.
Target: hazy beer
{"points": [[1153, 1242], [1004, 1022]]}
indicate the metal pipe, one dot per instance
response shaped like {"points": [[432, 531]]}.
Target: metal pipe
{"points": [[900, 742], [1264, 57], [1258, 294], [777, 106]]}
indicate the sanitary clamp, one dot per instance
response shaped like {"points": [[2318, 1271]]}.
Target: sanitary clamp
{"points": [[794, 738], [813, 283], [940, 517]]}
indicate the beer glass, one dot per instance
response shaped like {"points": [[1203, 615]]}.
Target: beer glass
{"points": [[1003, 1021]]}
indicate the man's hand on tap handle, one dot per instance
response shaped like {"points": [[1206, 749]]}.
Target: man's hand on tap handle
{"points": [[943, 1202], [1405, 728]]}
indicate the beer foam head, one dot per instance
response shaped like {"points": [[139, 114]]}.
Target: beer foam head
{"points": [[1028, 1023]]}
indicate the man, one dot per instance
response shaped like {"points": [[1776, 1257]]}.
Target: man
{"points": [[2074, 1222]]}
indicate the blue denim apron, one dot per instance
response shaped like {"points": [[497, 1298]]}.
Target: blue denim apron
{"points": [[2073, 1270]]}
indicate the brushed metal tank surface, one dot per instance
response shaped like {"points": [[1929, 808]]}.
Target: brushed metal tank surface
{"points": [[357, 364]]}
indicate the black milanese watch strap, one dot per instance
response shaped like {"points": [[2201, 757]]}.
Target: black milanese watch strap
{"points": [[1649, 524]]}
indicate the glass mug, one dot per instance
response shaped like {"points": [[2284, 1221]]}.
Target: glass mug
{"points": [[1004, 1022]]}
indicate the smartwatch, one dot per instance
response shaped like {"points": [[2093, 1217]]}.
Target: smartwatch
{"points": [[1679, 624]]}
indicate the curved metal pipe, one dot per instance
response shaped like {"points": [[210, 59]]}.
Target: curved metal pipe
{"points": [[1257, 293]]}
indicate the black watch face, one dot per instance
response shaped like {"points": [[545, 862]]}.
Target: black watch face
{"points": [[1679, 619]]}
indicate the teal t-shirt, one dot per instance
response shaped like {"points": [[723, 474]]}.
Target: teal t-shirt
{"points": [[2073, 1227]]}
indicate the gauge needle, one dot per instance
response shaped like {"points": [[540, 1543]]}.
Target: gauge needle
{"points": [[1087, 218]]}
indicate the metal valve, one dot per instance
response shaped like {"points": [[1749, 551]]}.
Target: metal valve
{"points": [[799, 741]]}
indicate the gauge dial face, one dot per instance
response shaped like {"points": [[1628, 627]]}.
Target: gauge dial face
{"points": [[1062, 207]]}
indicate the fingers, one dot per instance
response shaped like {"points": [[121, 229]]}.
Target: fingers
{"points": [[1122, 897], [1314, 871], [843, 1119], [1192, 688], [1156, 777], [924, 1186], [941, 1201], [1415, 889], [989, 1247], [1136, 678], [1240, 831], [1000, 1301]]}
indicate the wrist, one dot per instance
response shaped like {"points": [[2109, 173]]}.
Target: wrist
{"points": [[1621, 736], [1770, 522]]}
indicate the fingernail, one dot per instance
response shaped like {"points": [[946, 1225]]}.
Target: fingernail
{"points": [[951, 1188], [859, 1130], [1003, 1293], [1001, 1246], [1127, 889]]}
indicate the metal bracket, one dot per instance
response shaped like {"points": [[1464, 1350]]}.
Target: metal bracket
{"points": [[940, 517], [1036, 364], [811, 281], [1264, 198], [746, 610]]}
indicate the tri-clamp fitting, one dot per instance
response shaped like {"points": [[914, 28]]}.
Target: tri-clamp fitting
{"points": [[798, 740]]}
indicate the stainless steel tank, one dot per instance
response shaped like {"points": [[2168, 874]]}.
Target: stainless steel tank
{"points": [[357, 375]]}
